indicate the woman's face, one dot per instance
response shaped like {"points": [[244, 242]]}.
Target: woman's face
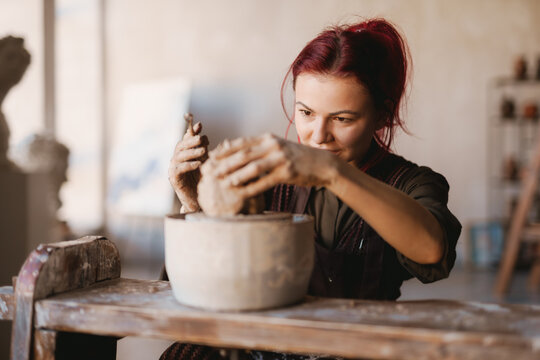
{"points": [[335, 114]]}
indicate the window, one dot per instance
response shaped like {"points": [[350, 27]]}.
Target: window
{"points": [[79, 110]]}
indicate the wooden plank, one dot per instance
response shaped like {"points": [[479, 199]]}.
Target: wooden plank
{"points": [[348, 328], [6, 303], [44, 344], [54, 269]]}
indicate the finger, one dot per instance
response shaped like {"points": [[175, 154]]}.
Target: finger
{"points": [[204, 140], [185, 167], [192, 130], [239, 159], [188, 135], [229, 147], [189, 154], [247, 155], [255, 169], [278, 176], [189, 143], [208, 167], [197, 128]]}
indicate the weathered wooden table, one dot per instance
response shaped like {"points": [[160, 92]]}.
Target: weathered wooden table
{"points": [[70, 303]]}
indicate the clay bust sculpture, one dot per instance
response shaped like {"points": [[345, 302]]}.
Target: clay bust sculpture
{"points": [[14, 60]]}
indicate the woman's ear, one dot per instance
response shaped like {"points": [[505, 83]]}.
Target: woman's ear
{"points": [[384, 115], [381, 121]]}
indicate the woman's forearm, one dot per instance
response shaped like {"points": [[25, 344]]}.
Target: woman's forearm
{"points": [[397, 218]]}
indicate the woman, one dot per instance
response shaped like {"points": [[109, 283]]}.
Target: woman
{"points": [[379, 218]]}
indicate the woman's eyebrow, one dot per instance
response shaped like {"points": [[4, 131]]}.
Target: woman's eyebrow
{"points": [[350, 112], [304, 105]]}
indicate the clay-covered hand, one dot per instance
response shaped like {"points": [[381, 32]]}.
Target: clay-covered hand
{"points": [[184, 172], [245, 167]]}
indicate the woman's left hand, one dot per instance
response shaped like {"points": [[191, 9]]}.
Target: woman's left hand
{"points": [[242, 168]]}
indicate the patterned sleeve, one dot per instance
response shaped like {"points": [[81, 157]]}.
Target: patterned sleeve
{"points": [[430, 189]]}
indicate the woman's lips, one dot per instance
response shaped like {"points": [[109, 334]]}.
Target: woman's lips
{"points": [[335, 152]]}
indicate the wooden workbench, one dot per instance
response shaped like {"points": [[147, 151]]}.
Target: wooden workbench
{"points": [[106, 307]]}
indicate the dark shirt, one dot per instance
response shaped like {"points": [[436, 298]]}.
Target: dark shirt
{"points": [[333, 218]]}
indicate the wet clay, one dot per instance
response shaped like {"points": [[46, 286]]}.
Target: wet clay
{"points": [[219, 197], [215, 198]]}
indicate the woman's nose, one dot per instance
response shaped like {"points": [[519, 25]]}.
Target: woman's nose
{"points": [[321, 133]]}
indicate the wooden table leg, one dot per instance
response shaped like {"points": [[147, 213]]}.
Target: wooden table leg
{"points": [[54, 269], [44, 344]]}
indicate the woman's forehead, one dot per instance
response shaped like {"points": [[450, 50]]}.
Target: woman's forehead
{"points": [[329, 91]]}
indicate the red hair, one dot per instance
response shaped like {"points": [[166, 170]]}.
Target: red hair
{"points": [[374, 53]]}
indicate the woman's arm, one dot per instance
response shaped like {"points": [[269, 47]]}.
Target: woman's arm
{"points": [[398, 219], [248, 166]]}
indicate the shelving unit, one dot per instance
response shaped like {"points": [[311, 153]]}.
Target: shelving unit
{"points": [[514, 170], [509, 138], [522, 231]]}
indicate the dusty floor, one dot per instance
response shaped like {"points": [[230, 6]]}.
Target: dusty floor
{"points": [[472, 285]]}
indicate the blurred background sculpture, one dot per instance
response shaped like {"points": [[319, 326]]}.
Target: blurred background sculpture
{"points": [[44, 154], [14, 60]]}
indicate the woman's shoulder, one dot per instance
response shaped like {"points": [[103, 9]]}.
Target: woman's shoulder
{"points": [[412, 175], [390, 167]]}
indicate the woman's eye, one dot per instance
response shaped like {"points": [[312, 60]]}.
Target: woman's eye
{"points": [[305, 112]]}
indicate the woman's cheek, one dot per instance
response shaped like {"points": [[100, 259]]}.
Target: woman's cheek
{"points": [[355, 136], [302, 131]]}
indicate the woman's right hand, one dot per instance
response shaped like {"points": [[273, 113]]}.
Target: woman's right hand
{"points": [[246, 167], [184, 173]]}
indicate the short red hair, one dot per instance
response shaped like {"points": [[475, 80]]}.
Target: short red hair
{"points": [[374, 53]]}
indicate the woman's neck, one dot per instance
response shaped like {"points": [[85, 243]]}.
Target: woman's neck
{"points": [[373, 155]]}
